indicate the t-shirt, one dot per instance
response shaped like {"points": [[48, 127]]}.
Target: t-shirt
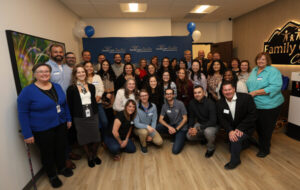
{"points": [[175, 113], [125, 125]]}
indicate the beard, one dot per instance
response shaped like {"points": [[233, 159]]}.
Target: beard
{"points": [[58, 58]]}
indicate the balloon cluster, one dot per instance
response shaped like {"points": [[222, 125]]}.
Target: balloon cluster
{"points": [[82, 30], [196, 34]]}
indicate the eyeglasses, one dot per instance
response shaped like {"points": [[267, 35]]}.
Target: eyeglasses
{"points": [[168, 94]]}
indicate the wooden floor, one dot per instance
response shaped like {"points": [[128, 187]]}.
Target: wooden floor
{"points": [[160, 169]]}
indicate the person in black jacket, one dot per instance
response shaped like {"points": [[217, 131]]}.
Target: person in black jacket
{"points": [[237, 114], [128, 73], [202, 120], [84, 111]]}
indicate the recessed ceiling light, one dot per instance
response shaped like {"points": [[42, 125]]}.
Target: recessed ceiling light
{"points": [[133, 7], [204, 9]]}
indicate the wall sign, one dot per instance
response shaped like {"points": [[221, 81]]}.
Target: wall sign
{"points": [[284, 45]]}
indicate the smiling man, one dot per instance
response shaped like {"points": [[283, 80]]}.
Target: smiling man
{"points": [[237, 115]]}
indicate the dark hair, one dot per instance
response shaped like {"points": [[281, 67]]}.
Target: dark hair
{"points": [[267, 55], [56, 45], [74, 79], [198, 72], [83, 51], [169, 82], [185, 63], [110, 72], [246, 61], [211, 69], [132, 116], [161, 64], [227, 83], [176, 66], [184, 82], [235, 59], [143, 59], [157, 88], [234, 77], [116, 54], [126, 64], [169, 89], [143, 90], [36, 66], [68, 53], [86, 62], [148, 70], [198, 86], [100, 55], [127, 54]]}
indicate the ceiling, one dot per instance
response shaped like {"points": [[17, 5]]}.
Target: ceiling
{"points": [[177, 10]]}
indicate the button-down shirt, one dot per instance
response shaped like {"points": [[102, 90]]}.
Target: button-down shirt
{"points": [[62, 77], [232, 105]]}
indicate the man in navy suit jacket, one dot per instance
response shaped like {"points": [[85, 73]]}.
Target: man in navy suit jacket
{"points": [[237, 114]]}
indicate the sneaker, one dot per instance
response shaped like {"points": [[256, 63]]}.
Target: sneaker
{"points": [[144, 149], [97, 160], [55, 182], [67, 172]]}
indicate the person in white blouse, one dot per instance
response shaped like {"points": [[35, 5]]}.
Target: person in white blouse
{"points": [[96, 80], [240, 85], [244, 70], [128, 92]]}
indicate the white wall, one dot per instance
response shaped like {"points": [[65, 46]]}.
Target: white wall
{"points": [[224, 31], [48, 19], [130, 27]]}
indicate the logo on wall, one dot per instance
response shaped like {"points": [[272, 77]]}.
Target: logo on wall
{"points": [[284, 45]]}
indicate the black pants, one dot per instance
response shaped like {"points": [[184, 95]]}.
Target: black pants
{"points": [[265, 125], [52, 145], [237, 147]]}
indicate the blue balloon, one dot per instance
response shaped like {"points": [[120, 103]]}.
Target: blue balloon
{"points": [[89, 31], [191, 26]]}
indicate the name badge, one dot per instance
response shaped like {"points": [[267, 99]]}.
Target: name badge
{"points": [[150, 114], [87, 113], [259, 78], [169, 111], [58, 109], [226, 111], [131, 122], [56, 73], [95, 83]]}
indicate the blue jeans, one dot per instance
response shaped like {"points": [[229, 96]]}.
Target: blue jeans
{"points": [[103, 122], [115, 148], [179, 138]]}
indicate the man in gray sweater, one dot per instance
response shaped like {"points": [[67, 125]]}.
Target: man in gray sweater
{"points": [[145, 122]]}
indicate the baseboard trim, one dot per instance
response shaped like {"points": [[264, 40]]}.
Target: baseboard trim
{"points": [[29, 185]]}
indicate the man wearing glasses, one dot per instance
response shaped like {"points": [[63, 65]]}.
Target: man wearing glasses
{"points": [[70, 59], [173, 120]]}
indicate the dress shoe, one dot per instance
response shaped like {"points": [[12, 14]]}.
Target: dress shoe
{"points": [[91, 163], [261, 154], [97, 160], [209, 153], [70, 164], [67, 172], [231, 166], [55, 182]]}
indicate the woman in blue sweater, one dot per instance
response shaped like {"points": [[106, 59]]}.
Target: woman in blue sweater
{"points": [[44, 117]]}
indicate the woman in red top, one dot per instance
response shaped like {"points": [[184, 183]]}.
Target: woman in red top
{"points": [[184, 87], [141, 71]]}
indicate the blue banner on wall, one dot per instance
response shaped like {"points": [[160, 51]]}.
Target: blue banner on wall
{"points": [[139, 47]]}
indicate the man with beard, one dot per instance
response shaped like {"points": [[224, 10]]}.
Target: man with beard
{"points": [[61, 73], [127, 58], [118, 66], [86, 56], [70, 59]]}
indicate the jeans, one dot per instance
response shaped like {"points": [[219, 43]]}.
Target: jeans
{"points": [[115, 148], [179, 138], [103, 122]]}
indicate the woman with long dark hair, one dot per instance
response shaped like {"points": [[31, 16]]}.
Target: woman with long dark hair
{"points": [[196, 75], [151, 71], [184, 87], [166, 66], [155, 92], [128, 73], [167, 83], [215, 76]]}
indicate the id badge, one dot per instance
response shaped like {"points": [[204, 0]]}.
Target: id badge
{"points": [[87, 113], [169, 111], [58, 108], [226, 111], [259, 78]]}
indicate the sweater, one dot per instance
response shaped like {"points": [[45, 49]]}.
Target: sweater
{"points": [[143, 118], [38, 112]]}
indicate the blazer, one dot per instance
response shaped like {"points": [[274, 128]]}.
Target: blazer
{"points": [[74, 100], [245, 114]]}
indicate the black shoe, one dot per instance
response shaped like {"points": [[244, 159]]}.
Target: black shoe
{"points": [[97, 160], [261, 154], [144, 149], [67, 172], [55, 182], [209, 153], [231, 166], [91, 163]]}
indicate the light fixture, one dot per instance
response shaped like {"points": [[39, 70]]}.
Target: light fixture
{"points": [[133, 7], [203, 9]]}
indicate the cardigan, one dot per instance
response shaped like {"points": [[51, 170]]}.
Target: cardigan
{"points": [[74, 101], [38, 112]]}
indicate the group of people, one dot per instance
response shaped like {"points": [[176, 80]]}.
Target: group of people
{"points": [[109, 103]]}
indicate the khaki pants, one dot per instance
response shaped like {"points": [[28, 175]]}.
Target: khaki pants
{"points": [[143, 133]]}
